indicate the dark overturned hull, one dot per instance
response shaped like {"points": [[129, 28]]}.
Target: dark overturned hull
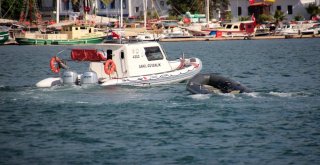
{"points": [[213, 83]]}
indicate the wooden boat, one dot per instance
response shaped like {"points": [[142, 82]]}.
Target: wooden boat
{"points": [[237, 29], [4, 36], [69, 35]]}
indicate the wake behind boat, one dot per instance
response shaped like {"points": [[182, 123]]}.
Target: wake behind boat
{"points": [[135, 64]]}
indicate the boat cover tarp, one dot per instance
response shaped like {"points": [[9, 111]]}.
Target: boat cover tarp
{"points": [[87, 55]]}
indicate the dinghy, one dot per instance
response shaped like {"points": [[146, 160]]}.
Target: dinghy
{"points": [[134, 64]]}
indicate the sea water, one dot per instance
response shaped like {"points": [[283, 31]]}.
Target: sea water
{"points": [[279, 123]]}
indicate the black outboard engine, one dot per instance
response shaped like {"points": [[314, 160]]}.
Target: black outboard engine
{"points": [[69, 77], [89, 77]]}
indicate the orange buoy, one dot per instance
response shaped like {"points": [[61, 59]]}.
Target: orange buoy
{"points": [[109, 67], [54, 66]]}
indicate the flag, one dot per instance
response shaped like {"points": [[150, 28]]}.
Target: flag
{"points": [[115, 35], [251, 2], [253, 19]]}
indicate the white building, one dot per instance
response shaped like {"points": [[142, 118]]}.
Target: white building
{"points": [[291, 8], [131, 8]]}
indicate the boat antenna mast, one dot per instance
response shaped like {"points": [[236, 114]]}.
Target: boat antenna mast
{"points": [[30, 13]]}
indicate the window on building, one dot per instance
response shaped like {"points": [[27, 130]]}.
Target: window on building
{"points": [[113, 4], [290, 9], [279, 8], [102, 5], [124, 4], [66, 5], [153, 53], [137, 9], [239, 11], [162, 3]]}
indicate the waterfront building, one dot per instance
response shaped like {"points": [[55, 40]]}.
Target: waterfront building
{"points": [[291, 8], [131, 8]]}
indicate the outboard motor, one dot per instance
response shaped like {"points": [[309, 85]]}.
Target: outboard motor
{"points": [[89, 77], [69, 77]]}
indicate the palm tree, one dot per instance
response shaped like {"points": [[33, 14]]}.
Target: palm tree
{"points": [[195, 6], [279, 16], [313, 10], [106, 2]]}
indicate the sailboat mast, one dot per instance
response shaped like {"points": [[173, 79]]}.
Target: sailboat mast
{"points": [[0, 9], [145, 12], [207, 11], [121, 13], [58, 11]]}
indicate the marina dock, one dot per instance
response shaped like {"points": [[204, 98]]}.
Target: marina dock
{"points": [[269, 37]]}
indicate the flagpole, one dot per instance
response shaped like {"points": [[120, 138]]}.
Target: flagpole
{"points": [[121, 20]]}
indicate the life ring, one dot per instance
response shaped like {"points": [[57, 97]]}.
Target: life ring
{"points": [[54, 64], [109, 67]]}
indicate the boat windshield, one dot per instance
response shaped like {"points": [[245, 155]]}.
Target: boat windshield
{"points": [[153, 53]]}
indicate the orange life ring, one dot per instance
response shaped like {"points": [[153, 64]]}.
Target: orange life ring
{"points": [[109, 67], [54, 66]]}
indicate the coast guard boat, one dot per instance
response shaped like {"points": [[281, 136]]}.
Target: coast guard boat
{"points": [[134, 64]]}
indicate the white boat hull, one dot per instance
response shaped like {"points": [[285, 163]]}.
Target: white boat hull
{"points": [[175, 76], [135, 64], [158, 79]]}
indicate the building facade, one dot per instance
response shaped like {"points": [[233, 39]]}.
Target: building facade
{"points": [[291, 8], [131, 8]]}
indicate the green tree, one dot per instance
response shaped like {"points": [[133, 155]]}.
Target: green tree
{"points": [[244, 18], [298, 18], [279, 16], [264, 18], [313, 10], [11, 9], [106, 2], [228, 15], [180, 7]]}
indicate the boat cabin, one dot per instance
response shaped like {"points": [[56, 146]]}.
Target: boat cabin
{"points": [[132, 59], [243, 28], [80, 31]]}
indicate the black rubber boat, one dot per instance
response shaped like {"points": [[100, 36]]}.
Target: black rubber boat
{"points": [[213, 83]]}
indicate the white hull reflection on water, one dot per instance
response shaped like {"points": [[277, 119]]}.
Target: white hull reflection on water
{"points": [[276, 124]]}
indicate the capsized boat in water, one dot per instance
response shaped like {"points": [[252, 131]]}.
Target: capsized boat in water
{"points": [[213, 83], [134, 64]]}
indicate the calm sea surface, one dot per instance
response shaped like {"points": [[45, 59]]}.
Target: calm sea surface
{"points": [[277, 124]]}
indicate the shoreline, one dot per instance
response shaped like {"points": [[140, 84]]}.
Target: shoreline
{"points": [[238, 38], [193, 39]]}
